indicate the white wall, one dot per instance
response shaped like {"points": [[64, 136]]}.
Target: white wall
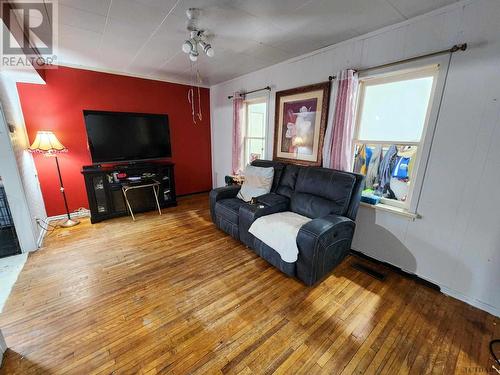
{"points": [[456, 243]]}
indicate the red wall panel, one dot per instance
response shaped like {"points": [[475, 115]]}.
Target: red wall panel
{"points": [[58, 106]]}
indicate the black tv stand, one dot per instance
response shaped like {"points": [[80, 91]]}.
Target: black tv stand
{"points": [[104, 188]]}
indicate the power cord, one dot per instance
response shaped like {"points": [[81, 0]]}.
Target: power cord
{"points": [[81, 210], [47, 223], [46, 229], [50, 228]]}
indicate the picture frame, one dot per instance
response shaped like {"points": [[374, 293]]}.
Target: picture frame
{"points": [[300, 123]]}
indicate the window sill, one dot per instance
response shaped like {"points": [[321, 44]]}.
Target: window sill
{"points": [[392, 209]]}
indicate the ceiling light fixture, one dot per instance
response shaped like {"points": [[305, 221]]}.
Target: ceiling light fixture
{"points": [[197, 37], [207, 48], [193, 55], [188, 45]]}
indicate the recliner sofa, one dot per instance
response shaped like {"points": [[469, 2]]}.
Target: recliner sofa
{"points": [[329, 197]]}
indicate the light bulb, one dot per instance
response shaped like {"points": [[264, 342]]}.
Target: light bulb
{"points": [[193, 57], [207, 48], [187, 46]]}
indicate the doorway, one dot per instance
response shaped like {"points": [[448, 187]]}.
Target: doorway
{"points": [[9, 244]]}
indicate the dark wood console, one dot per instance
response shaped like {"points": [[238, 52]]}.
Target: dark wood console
{"points": [[104, 188]]}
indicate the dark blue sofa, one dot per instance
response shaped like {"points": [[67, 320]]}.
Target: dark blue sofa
{"points": [[329, 197]]}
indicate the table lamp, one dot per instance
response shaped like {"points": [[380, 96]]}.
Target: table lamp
{"points": [[47, 144]]}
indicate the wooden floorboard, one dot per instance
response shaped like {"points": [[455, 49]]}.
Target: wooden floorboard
{"points": [[172, 294]]}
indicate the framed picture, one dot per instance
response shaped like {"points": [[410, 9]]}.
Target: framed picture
{"points": [[300, 123]]}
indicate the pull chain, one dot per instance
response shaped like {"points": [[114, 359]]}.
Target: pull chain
{"points": [[191, 94], [195, 82], [200, 81]]}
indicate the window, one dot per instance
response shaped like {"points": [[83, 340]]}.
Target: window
{"points": [[392, 119], [255, 130]]}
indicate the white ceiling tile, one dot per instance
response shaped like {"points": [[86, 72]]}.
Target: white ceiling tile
{"points": [[270, 54], [164, 5], [178, 62], [144, 18], [246, 35], [161, 46], [116, 59], [94, 6], [227, 21], [269, 9], [121, 41], [123, 34], [78, 46], [154, 58], [300, 45], [204, 5], [81, 18], [360, 15], [412, 8]]}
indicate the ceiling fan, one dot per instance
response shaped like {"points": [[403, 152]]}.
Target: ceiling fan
{"points": [[197, 37]]}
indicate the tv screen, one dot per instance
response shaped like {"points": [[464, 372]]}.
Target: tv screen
{"points": [[120, 136]]}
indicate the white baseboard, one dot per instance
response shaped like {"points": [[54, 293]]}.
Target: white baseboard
{"points": [[471, 301], [445, 290], [81, 213], [41, 236], [73, 215]]}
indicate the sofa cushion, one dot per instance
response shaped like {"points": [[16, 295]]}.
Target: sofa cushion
{"points": [[273, 199], [321, 191], [288, 180], [228, 209], [258, 181], [278, 170]]}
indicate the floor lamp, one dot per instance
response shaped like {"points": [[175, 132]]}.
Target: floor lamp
{"points": [[47, 144]]}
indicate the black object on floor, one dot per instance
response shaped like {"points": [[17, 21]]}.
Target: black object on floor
{"points": [[417, 278], [492, 342], [9, 244], [369, 271]]}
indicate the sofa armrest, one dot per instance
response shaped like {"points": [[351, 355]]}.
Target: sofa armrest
{"points": [[267, 204], [323, 243], [221, 193]]}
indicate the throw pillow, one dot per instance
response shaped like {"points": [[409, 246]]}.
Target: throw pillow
{"points": [[258, 181]]}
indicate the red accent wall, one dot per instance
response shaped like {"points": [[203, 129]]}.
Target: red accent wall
{"points": [[58, 106]]}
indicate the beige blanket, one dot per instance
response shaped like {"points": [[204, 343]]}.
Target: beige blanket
{"points": [[279, 231]]}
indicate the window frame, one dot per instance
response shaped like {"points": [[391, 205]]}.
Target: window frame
{"points": [[246, 102], [437, 67]]}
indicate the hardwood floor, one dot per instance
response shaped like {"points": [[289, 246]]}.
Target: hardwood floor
{"points": [[172, 294]]}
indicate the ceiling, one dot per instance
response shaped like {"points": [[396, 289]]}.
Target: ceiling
{"points": [[144, 37]]}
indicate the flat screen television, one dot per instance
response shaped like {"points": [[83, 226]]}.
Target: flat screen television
{"points": [[125, 137]]}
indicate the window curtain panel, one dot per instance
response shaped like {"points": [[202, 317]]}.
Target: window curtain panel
{"points": [[238, 125], [337, 146]]}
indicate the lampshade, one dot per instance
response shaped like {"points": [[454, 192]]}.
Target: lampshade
{"points": [[46, 142]]}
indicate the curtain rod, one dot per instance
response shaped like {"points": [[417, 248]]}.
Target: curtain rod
{"points": [[251, 92], [455, 48]]}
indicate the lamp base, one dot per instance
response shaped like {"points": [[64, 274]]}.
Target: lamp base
{"points": [[68, 223]]}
